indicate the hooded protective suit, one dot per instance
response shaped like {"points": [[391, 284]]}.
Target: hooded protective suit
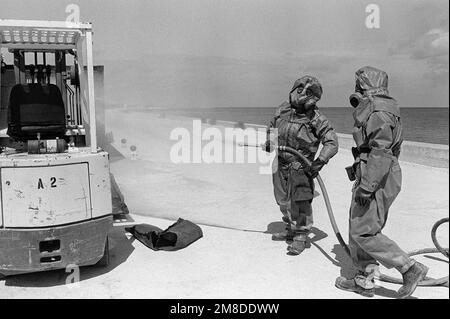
{"points": [[378, 136], [302, 127]]}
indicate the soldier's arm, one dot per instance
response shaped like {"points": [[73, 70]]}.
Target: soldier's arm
{"points": [[379, 160], [272, 124], [328, 138]]}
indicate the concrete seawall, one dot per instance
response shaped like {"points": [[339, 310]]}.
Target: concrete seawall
{"points": [[428, 154], [435, 155]]}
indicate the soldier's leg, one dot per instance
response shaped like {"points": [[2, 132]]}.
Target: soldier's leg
{"points": [[382, 248], [282, 197], [363, 281], [367, 234], [304, 219], [361, 259], [302, 215], [280, 189], [366, 224], [302, 194], [367, 266]]}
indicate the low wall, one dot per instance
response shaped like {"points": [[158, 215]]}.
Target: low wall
{"points": [[428, 154], [434, 155]]}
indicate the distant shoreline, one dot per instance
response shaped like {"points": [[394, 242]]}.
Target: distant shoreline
{"points": [[152, 108], [422, 125], [427, 154]]}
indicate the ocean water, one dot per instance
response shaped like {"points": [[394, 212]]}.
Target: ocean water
{"points": [[427, 125]]}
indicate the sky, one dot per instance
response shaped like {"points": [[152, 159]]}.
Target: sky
{"points": [[277, 39]]}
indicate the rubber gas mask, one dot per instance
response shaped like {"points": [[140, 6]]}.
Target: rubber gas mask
{"points": [[359, 95], [355, 99], [303, 98]]}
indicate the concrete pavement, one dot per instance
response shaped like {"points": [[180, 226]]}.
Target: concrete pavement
{"points": [[234, 205]]}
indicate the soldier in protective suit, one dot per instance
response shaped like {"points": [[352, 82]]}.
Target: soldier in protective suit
{"points": [[378, 136], [299, 124]]}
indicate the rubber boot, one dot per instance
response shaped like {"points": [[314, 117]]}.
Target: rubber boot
{"points": [[286, 235], [351, 285], [411, 278], [298, 245]]}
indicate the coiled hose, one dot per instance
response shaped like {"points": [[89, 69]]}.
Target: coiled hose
{"points": [[444, 281]]}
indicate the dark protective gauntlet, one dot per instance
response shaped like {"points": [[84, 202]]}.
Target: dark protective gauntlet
{"points": [[313, 170], [351, 173], [362, 197], [355, 152]]}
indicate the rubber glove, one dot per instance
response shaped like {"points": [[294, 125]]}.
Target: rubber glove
{"points": [[315, 168], [362, 197]]}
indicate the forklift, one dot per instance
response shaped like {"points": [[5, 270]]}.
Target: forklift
{"points": [[55, 184]]}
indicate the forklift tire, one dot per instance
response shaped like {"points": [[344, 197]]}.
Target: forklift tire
{"points": [[104, 261]]}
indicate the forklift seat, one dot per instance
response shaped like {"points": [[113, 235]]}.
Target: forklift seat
{"points": [[35, 108]]}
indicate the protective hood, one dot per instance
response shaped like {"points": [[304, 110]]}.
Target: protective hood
{"points": [[371, 94], [305, 93], [314, 85], [371, 81]]}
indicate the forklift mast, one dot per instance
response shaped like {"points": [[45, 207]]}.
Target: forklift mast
{"points": [[59, 53], [65, 78]]}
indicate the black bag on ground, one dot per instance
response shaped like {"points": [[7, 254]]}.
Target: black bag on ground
{"points": [[178, 236]]}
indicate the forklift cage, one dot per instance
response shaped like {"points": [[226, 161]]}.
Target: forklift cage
{"points": [[59, 35]]}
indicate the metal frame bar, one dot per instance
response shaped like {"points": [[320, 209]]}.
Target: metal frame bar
{"points": [[91, 94], [0, 91], [19, 67], [45, 24], [60, 68], [17, 37], [84, 98], [37, 46]]}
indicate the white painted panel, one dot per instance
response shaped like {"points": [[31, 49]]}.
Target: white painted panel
{"points": [[100, 184], [45, 196]]}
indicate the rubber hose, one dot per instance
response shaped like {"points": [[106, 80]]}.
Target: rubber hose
{"points": [[442, 250], [444, 281]]}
